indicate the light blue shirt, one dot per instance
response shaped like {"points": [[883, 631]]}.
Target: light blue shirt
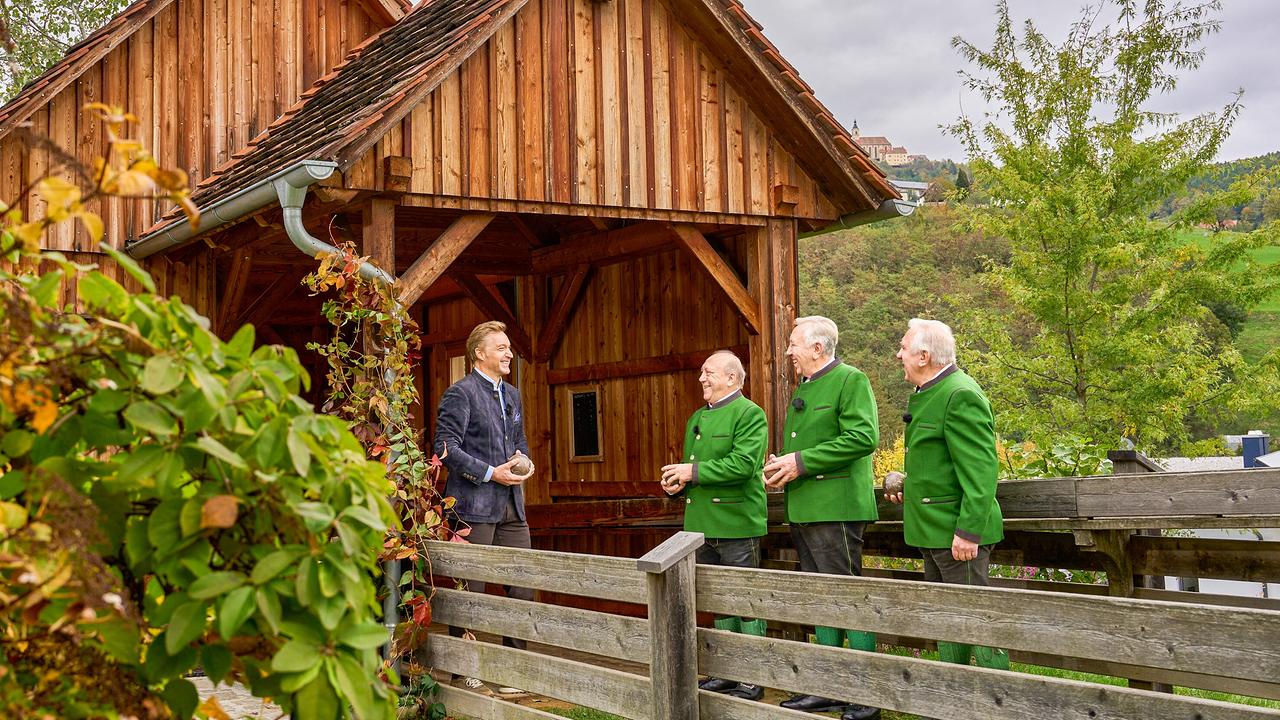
{"points": [[497, 387]]}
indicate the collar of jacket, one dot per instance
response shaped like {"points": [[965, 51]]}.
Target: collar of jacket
{"points": [[946, 371], [835, 362], [725, 400]]}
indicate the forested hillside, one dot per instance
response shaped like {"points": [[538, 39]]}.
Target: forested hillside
{"points": [[1265, 203]]}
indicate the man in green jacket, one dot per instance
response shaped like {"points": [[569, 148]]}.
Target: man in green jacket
{"points": [[825, 469], [949, 494], [724, 445]]}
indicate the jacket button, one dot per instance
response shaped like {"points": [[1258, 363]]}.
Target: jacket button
{"points": [[693, 457], [793, 434], [688, 501], [697, 437]]}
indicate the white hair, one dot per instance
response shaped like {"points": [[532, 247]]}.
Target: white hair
{"points": [[935, 338], [732, 364], [819, 330]]}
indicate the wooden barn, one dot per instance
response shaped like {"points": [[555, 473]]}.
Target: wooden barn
{"points": [[621, 181]]}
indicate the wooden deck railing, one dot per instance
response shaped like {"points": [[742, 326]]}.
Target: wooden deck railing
{"points": [[1190, 642]]}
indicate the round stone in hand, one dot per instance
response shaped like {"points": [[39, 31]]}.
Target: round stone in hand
{"points": [[893, 482], [523, 465]]}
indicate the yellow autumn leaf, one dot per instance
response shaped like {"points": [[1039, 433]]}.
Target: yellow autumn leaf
{"points": [[57, 192], [170, 179], [212, 709], [130, 183], [29, 234], [44, 416], [183, 199], [92, 225]]}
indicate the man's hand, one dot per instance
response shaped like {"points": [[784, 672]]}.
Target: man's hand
{"points": [[962, 550], [779, 471], [895, 498], [676, 476], [502, 474]]}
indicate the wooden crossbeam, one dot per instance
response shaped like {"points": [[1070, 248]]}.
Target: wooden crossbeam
{"points": [[233, 290], [273, 296], [436, 259], [715, 266], [638, 240], [561, 312], [491, 304]]}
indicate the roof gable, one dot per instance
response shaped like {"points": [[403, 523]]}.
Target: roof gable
{"points": [[349, 110]]}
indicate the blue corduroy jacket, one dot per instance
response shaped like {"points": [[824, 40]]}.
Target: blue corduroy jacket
{"points": [[471, 436]]}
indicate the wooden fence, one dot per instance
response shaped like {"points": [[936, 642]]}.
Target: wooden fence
{"points": [[1192, 640]]}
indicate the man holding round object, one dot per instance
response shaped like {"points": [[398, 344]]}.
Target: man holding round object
{"points": [[824, 468], [949, 492], [724, 444], [480, 439]]}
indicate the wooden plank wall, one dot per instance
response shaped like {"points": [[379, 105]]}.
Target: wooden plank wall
{"points": [[608, 104], [204, 77]]}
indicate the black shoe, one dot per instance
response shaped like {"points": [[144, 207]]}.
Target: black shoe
{"points": [[860, 712], [747, 691], [812, 703], [717, 685]]}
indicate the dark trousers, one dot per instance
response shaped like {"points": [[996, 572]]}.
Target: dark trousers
{"points": [[830, 548], [512, 532], [737, 552], [940, 567]]}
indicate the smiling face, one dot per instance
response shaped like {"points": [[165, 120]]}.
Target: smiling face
{"points": [[916, 367], [716, 379], [493, 355], [806, 358]]}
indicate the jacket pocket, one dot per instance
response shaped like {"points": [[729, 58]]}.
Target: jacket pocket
{"points": [[822, 407], [830, 476], [723, 436], [938, 499], [926, 426], [727, 499]]}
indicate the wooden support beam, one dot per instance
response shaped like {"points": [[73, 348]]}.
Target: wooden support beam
{"points": [[491, 304], [561, 311], [378, 233], [436, 259], [273, 296], [397, 172], [721, 273], [233, 290], [645, 238], [641, 366]]}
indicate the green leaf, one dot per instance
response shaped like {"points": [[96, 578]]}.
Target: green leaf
{"points": [[269, 608], [235, 609], [161, 665], [272, 565], [330, 611], [317, 515], [217, 450], [299, 452], [12, 483], [136, 547], [316, 701], [216, 660], [330, 584], [353, 681], [307, 585], [161, 375], [108, 401], [196, 410], [365, 636], [162, 526], [119, 637], [182, 698], [366, 516], [215, 584], [17, 443], [101, 292], [186, 625], [150, 417], [292, 682], [189, 518], [241, 344], [296, 656], [213, 391], [45, 290], [131, 266]]}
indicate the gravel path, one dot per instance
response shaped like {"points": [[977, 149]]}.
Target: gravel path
{"points": [[237, 701]]}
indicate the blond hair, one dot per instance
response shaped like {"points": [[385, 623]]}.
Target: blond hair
{"points": [[478, 334]]}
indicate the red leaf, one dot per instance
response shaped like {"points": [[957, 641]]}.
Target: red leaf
{"points": [[422, 614]]}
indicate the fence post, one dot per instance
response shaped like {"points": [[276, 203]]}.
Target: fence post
{"points": [[673, 626], [1129, 462]]}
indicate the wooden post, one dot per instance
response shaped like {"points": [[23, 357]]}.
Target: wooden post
{"points": [[1128, 462], [673, 626]]}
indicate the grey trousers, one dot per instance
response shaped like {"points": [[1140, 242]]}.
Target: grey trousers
{"points": [[511, 532], [830, 548], [940, 567]]}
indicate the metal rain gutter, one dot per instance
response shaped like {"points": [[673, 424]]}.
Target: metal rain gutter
{"points": [[889, 210], [287, 187]]}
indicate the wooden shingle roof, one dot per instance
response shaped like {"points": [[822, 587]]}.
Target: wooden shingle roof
{"points": [[348, 110]]}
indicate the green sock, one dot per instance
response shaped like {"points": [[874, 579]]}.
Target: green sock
{"points": [[861, 640], [732, 624], [989, 657], [752, 627], [829, 636], [954, 652]]}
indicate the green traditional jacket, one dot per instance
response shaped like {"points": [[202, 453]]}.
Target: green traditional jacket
{"points": [[951, 465], [832, 423], [726, 442]]}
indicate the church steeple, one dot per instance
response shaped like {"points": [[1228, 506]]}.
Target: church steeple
{"points": [[856, 132]]}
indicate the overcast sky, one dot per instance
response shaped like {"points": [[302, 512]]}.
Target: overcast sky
{"points": [[889, 63]]}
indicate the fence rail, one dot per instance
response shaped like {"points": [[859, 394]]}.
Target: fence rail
{"points": [[1189, 642]]}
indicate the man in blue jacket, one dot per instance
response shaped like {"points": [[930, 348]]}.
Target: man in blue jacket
{"points": [[479, 431]]}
